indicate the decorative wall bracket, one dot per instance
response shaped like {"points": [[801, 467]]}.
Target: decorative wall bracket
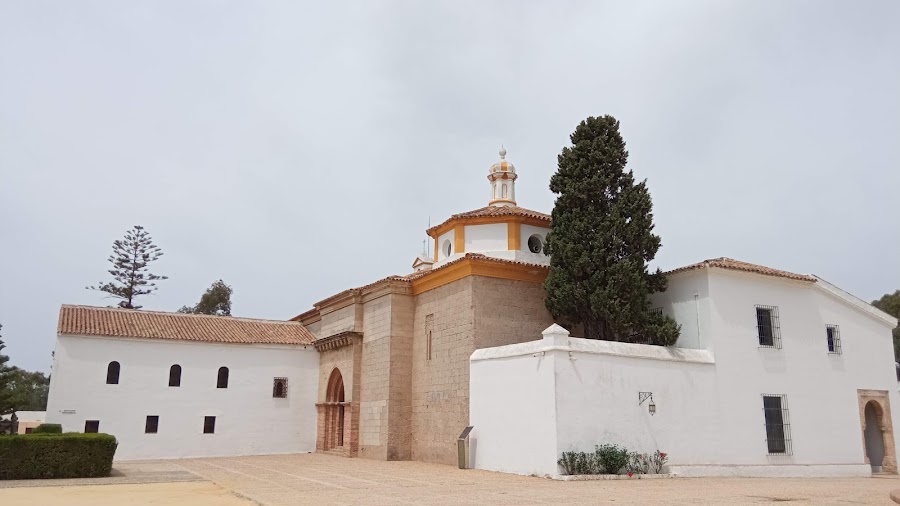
{"points": [[643, 396]]}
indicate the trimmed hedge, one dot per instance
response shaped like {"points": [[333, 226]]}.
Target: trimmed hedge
{"points": [[48, 428], [45, 455]]}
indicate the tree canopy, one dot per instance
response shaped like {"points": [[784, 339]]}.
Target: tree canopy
{"points": [[131, 276], [21, 390], [601, 239], [7, 401], [890, 304], [215, 301]]}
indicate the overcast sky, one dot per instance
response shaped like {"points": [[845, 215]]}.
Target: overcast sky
{"points": [[296, 150]]}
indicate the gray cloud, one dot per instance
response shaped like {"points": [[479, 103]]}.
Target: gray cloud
{"points": [[296, 150]]}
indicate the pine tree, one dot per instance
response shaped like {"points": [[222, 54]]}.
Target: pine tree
{"points": [[130, 259], [7, 394], [601, 239], [216, 301]]}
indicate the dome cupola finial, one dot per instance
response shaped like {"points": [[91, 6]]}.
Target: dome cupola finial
{"points": [[503, 181]]}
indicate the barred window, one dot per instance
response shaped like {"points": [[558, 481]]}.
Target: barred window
{"points": [[767, 327], [656, 311], [833, 333], [279, 388], [778, 424]]}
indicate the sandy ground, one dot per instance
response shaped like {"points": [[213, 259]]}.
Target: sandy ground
{"points": [[192, 493], [321, 479], [324, 479]]}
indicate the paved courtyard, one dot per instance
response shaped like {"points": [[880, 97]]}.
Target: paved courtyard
{"points": [[323, 479]]}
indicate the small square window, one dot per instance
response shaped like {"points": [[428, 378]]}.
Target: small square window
{"points": [[279, 388], [152, 424], [833, 334], [91, 426], [768, 328], [209, 425], [29, 430]]}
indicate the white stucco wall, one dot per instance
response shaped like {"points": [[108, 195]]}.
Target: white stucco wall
{"points": [[709, 401], [485, 238], [248, 419], [441, 240]]}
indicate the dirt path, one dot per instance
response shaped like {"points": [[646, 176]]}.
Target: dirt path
{"points": [[174, 494]]}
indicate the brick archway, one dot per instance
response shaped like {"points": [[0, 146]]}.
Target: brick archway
{"points": [[334, 412], [878, 399]]}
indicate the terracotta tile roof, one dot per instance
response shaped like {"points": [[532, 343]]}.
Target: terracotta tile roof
{"points": [[737, 265], [115, 322], [494, 211]]}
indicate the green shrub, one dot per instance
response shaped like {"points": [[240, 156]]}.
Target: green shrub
{"points": [[49, 455], [611, 457], [48, 428], [574, 463]]}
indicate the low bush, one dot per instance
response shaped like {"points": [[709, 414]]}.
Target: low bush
{"points": [[48, 428], [612, 459], [51, 455]]}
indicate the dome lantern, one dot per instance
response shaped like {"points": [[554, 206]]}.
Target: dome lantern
{"points": [[502, 177]]}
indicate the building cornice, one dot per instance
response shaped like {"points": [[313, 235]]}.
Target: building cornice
{"points": [[451, 223], [339, 340], [479, 265]]}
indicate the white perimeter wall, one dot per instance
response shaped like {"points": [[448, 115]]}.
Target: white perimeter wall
{"points": [[709, 401], [248, 419]]}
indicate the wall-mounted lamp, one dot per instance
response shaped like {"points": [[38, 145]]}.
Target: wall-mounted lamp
{"points": [[643, 396]]}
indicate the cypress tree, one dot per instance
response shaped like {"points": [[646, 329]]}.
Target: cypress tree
{"points": [[601, 239]]}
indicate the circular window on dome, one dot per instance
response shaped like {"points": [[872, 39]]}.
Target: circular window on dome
{"points": [[535, 244], [447, 247]]}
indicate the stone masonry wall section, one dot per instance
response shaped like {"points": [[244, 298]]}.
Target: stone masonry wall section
{"points": [[400, 381], [508, 312], [376, 365], [474, 312], [440, 385]]}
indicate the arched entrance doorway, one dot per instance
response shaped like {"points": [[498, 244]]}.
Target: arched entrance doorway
{"points": [[874, 435], [334, 411]]}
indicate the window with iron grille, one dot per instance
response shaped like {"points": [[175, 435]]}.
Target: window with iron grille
{"points": [[833, 334], [279, 388], [767, 327], [151, 426], [656, 311], [778, 424]]}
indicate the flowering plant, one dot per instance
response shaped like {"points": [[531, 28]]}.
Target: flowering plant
{"points": [[657, 461]]}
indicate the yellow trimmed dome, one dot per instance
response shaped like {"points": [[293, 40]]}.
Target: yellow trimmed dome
{"points": [[503, 165]]}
